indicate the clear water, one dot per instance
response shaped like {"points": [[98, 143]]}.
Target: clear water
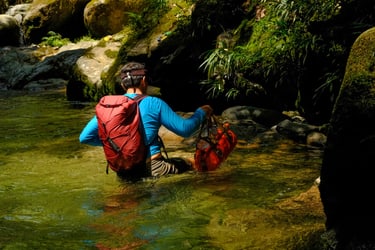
{"points": [[55, 194]]}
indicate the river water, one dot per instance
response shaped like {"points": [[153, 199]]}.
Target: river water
{"points": [[55, 194]]}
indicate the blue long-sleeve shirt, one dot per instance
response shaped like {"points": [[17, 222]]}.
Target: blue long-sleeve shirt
{"points": [[154, 113]]}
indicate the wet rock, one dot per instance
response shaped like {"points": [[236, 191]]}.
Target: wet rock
{"points": [[265, 117], [10, 31], [301, 132], [46, 15], [103, 18]]}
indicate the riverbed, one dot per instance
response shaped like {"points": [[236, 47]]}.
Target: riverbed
{"points": [[55, 194]]}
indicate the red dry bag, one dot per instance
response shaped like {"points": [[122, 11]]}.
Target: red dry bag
{"points": [[214, 144]]}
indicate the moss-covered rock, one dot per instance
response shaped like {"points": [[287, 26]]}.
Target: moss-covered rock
{"points": [[109, 17], [347, 171], [63, 17]]}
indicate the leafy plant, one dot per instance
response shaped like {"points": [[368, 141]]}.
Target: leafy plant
{"points": [[280, 55], [54, 39], [225, 69]]}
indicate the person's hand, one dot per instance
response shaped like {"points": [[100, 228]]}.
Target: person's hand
{"points": [[207, 109]]}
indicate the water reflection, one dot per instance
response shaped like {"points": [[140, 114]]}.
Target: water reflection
{"points": [[54, 193]]}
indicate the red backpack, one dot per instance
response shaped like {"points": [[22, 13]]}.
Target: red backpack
{"points": [[121, 132]]}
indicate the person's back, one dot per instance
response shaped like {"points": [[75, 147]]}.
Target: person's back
{"points": [[154, 113]]}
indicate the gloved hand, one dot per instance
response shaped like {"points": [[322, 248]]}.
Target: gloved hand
{"points": [[207, 108]]}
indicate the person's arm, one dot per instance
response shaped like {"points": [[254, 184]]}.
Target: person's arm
{"points": [[89, 134], [184, 127]]}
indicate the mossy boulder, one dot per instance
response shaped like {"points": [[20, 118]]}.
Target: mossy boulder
{"points": [[347, 170], [109, 17], [63, 17]]}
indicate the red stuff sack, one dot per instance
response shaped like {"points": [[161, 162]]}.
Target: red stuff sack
{"points": [[121, 131], [213, 148]]}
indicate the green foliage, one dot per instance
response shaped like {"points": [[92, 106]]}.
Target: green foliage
{"points": [[292, 20], [222, 66], [144, 21], [54, 40], [304, 11], [279, 53]]}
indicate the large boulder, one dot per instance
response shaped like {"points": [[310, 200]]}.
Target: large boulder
{"points": [[76, 18], [10, 31], [103, 18], [347, 179], [63, 17]]}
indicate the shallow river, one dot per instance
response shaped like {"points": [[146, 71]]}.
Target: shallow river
{"points": [[55, 194]]}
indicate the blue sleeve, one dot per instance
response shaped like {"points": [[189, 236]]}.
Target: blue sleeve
{"points": [[89, 134], [182, 126]]}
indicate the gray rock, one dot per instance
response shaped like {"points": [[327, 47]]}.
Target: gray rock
{"points": [[263, 116], [10, 31]]}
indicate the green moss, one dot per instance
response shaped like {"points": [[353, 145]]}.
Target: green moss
{"points": [[362, 55], [359, 79], [37, 2], [101, 43], [84, 38], [110, 53]]}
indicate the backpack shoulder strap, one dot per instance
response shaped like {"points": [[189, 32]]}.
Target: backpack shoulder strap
{"points": [[138, 98], [163, 147]]}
